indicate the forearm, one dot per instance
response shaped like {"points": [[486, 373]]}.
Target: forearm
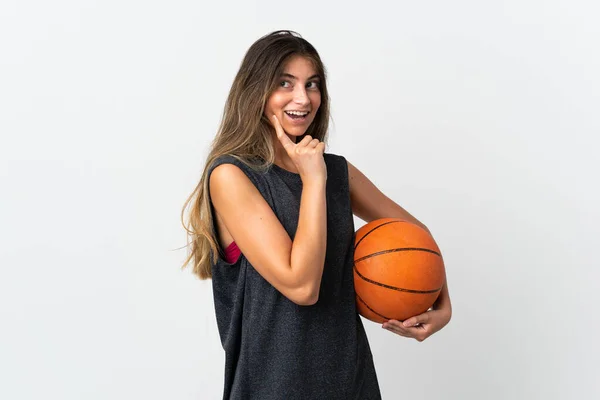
{"points": [[310, 241], [443, 300]]}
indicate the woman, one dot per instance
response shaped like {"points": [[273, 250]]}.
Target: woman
{"points": [[271, 223]]}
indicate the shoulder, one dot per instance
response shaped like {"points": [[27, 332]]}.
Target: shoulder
{"points": [[231, 184], [224, 159], [230, 166], [231, 177]]}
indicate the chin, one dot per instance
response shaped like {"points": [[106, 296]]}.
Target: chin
{"points": [[296, 130]]}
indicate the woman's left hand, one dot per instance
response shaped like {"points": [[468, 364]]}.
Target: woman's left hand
{"points": [[420, 327]]}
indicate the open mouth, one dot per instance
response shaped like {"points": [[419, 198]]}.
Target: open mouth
{"points": [[297, 115]]}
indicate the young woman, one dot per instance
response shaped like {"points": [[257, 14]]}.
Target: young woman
{"points": [[271, 223]]}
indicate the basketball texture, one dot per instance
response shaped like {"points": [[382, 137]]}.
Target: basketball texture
{"points": [[398, 270]]}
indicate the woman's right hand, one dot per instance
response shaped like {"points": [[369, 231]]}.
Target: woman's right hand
{"points": [[307, 155]]}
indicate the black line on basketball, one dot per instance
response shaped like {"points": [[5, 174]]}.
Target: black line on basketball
{"points": [[394, 287], [377, 227], [398, 249], [366, 305]]}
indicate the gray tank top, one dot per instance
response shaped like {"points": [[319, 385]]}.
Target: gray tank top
{"points": [[274, 348]]}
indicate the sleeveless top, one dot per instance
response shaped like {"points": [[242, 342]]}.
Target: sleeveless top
{"points": [[274, 348]]}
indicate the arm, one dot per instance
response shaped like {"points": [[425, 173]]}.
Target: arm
{"points": [[294, 269], [369, 204]]}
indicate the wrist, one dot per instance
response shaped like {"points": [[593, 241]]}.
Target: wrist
{"points": [[314, 183]]}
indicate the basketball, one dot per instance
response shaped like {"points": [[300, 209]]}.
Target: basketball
{"points": [[398, 270]]}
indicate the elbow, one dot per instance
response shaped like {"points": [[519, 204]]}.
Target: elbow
{"points": [[308, 301], [306, 296]]}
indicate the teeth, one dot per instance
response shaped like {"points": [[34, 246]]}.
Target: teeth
{"points": [[297, 113]]}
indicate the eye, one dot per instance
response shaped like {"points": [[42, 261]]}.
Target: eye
{"points": [[282, 83], [315, 84]]}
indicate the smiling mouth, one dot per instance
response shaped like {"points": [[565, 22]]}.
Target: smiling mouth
{"points": [[298, 115]]}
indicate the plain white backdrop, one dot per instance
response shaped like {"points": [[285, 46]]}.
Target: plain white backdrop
{"points": [[480, 118]]}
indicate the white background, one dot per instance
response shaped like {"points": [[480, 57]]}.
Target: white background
{"points": [[480, 118]]}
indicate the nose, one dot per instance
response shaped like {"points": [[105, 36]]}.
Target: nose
{"points": [[300, 95]]}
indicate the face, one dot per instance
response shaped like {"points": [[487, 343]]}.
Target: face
{"points": [[297, 97]]}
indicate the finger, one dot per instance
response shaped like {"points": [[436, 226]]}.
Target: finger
{"points": [[394, 324], [397, 330], [313, 143], [321, 147], [397, 325], [281, 135], [417, 320], [418, 333], [305, 141]]}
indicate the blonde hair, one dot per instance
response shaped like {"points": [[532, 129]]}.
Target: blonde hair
{"points": [[246, 134]]}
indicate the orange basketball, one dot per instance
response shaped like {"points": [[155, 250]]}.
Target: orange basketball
{"points": [[398, 270]]}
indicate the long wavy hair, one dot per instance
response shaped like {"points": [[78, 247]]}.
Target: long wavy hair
{"points": [[246, 134]]}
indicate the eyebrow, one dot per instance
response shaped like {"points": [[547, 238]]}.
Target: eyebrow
{"points": [[286, 75]]}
